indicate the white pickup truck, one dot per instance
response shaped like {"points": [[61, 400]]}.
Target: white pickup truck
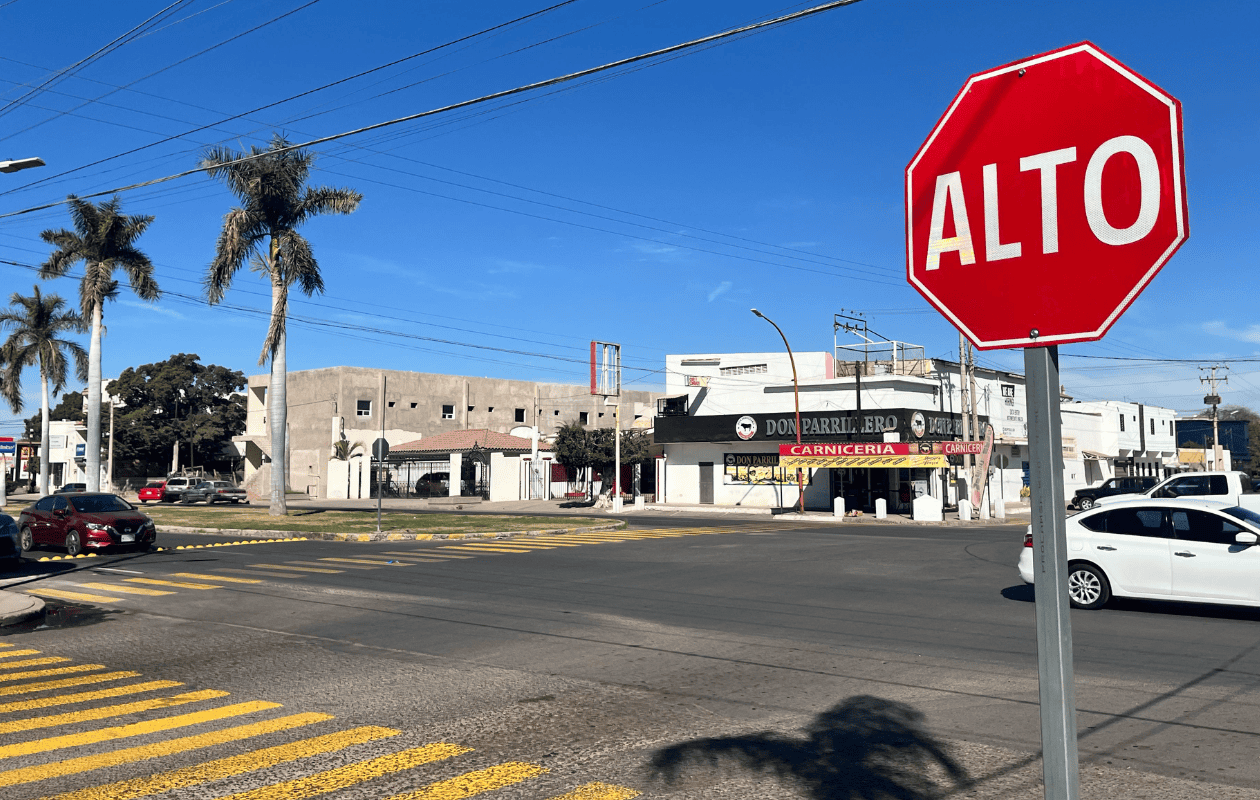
{"points": [[1228, 487]]}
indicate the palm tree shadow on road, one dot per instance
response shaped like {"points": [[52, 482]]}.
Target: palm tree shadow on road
{"points": [[863, 748]]}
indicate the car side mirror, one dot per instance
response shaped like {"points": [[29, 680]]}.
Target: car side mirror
{"points": [[1246, 538]]}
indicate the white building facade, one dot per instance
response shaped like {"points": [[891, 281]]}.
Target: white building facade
{"points": [[726, 415]]}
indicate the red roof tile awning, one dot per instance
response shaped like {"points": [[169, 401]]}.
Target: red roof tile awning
{"points": [[464, 441]]}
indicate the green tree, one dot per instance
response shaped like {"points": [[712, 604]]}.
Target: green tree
{"points": [[573, 449], [104, 239], [70, 408], [36, 326], [179, 402], [275, 202]]}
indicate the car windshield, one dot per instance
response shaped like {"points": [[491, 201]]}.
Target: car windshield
{"points": [[1244, 514], [97, 503], [153, 486]]}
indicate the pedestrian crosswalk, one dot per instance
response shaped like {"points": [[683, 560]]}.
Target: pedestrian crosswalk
{"points": [[51, 737], [111, 589]]}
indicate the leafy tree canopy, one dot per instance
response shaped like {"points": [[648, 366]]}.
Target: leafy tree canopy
{"points": [[177, 400], [70, 408]]}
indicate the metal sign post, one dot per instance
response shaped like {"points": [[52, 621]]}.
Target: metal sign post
{"points": [[1060, 768]]}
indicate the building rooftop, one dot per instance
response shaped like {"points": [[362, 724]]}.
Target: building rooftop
{"points": [[463, 441]]}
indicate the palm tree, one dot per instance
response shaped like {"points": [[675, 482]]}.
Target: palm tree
{"points": [[343, 449], [275, 201], [36, 325], [103, 239]]}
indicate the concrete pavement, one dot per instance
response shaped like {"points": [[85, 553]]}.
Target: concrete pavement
{"points": [[15, 608]]}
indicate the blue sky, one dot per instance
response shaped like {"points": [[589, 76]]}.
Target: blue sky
{"points": [[653, 206]]}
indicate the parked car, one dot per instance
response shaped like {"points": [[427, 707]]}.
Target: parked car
{"points": [[433, 484], [1087, 498], [10, 543], [175, 487], [1192, 550], [211, 492], [87, 521], [154, 490], [72, 487], [1227, 487]]}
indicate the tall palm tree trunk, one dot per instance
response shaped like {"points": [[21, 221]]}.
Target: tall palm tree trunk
{"points": [[93, 454], [45, 429], [279, 414]]}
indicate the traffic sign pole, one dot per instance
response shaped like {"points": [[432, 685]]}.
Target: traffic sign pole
{"points": [[1060, 765]]}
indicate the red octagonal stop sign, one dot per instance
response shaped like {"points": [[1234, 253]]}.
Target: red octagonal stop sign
{"points": [[1046, 198]]}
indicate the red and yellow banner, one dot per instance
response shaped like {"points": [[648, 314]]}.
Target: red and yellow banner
{"points": [[874, 454]]}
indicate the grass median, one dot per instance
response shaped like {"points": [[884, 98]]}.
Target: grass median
{"points": [[320, 521]]}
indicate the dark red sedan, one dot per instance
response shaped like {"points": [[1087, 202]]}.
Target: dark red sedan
{"points": [[84, 521]]}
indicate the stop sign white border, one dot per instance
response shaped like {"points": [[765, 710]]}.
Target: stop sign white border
{"points": [[1179, 204]]}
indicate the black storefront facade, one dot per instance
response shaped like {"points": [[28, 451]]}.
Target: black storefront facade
{"points": [[733, 459]]}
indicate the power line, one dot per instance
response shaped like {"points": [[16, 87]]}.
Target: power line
{"points": [[707, 40]]}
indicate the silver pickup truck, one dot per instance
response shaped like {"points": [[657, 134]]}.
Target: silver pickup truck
{"points": [[211, 492]]}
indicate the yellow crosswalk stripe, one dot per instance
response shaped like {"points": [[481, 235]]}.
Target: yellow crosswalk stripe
{"points": [[105, 712], [319, 564], [33, 662], [74, 766], [474, 783], [229, 767], [109, 587], [531, 542], [16, 653], [42, 673], [531, 545], [427, 554], [295, 569], [196, 576], [135, 729], [289, 575], [361, 561], [84, 697], [352, 774], [42, 686], [176, 584], [468, 548], [61, 595], [598, 791]]}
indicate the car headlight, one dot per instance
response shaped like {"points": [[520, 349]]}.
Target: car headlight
{"points": [[95, 526]]}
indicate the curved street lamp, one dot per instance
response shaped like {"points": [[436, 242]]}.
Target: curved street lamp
{"points": [[796, 390]]}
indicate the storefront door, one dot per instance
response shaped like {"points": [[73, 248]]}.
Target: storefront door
{"points": [[706, 482]]}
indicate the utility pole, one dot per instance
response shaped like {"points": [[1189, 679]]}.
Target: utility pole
{"points": [[1214, 400], [962, 412]]}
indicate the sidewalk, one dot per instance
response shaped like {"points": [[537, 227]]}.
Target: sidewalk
{"points": [[16, 607]]}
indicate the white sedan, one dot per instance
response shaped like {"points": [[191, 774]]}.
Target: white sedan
{"points": [[1190, 550]]}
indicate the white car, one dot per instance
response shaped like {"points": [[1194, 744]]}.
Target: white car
{"points": [[1190, 550]]}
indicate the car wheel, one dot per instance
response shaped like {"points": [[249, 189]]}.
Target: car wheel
{"points": [[1087, 587], [73, 545], [1085, 503], [26, 540]]}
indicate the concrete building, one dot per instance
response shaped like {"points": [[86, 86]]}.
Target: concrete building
{"points": [[326, 405], [726, 414]]}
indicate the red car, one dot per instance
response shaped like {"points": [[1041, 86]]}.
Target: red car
{"points": [[153, 491], [84, 521]]}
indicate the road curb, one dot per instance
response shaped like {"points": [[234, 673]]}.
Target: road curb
{"points": [[392, 536], [15, 608]]}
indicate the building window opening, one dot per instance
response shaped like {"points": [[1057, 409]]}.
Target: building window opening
{"points": [[584, 417], [1122, 423], [557, 412], [363, 408], [391, 403], [471, 409], [749, 369], [448, 412], [490, 410], [413, 405], [520, 415]]}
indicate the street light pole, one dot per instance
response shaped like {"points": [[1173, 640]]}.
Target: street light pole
{"points": [[796, 391]]}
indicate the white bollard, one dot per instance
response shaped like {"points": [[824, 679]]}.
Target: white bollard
{"points": [[881, 508], [837, 506], [964, 509], [999, 509]]}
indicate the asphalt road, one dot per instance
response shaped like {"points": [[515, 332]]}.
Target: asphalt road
{"points": [[562, 667]]}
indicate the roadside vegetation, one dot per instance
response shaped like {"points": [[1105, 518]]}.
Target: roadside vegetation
{"points": [[316, 521]]}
